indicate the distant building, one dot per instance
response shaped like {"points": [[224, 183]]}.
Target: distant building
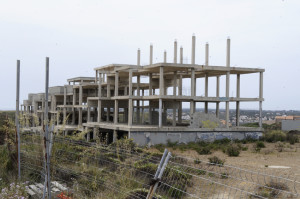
{"points": [[279, 119]]}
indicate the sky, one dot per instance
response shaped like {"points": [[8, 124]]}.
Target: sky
{"points": [[80, 35]]}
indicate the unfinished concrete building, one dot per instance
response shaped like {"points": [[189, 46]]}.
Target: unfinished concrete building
{"points": [[116, 103]]}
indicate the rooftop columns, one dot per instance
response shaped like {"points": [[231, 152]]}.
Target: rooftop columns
{"points": [[260, 96], [175, 52], [193, 49], [206, 76], [139, 57], [227, 83], [151, 54], [165, 56], [238, 78]]}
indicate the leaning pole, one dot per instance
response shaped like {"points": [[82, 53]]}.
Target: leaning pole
{"points": [[17, 123]]}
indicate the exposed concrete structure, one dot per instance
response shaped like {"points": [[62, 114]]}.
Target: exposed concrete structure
{"points": [[117, 103]]}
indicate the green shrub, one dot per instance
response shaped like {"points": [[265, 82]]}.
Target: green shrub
{"points": [[233, 151], [203, 150], [216, 161], [260, 144], [292, 139], [274, 136]]}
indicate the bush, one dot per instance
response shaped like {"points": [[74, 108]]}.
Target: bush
{"points": [[216, 161], [233, 151], [292, 138], [203, 150], [260, 144], [274, 136]]}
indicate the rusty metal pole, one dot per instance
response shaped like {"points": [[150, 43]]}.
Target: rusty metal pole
{"points": [[17, 123], [46, 128]]}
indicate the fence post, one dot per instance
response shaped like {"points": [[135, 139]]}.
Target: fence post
{"points": [[17, 122], [160, 170]]}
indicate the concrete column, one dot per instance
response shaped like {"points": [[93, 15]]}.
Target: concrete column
{"points": [[116, 111], [130, 112], [218, 95], [165, 56], [150, 84], [88, 135], [206, 75], [174, 94], [193, 49], [130, 107], [88, 114], [107, 113], [227, 82], [238, 102], [99, 111], [151, 54], [175, 52], [100, 86], [260, 97], [181, 55], [143, 119], [95, 133], [108, 91], [117, 84], [65, 103], [160, 113], [193, 89], [180, 103], [115, 136], [73, 109], [96, 76], [206, 92], [80, 109], [161, 81], [130, 83], [138, 116], [150, 113], [139, 57]]}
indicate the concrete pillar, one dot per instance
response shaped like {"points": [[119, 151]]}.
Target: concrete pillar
{"points": [[174, 94], [175, 52], [206, 92], [115, 136], [117, 84], [100, 86], [181, 55], [96, 76], [88, 114], [206, 75], [130, 112], [193, 89], [218, 95], [65, 103], [165, 56], [88, 135], [143, 119], [95, 133], [151, 54], [193, 49], [108, 91], [138, 116], [180, 103], [238, 102], [139, 57], [150, 84], [130, 107], [116, 111], [80, 104], [73, 109], [160, 113], [107, 113], [99, 111], [227, 83], [161, 81], [260, 97]]}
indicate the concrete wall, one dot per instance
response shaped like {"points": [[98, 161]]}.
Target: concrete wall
{"points": [[152, 138], [288, 125]]}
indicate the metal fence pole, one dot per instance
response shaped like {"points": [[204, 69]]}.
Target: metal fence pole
{"points": [[161, 171], [17, 123], [46, 128]]}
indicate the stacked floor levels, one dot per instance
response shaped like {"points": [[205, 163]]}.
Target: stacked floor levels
{"points": [[134, 101]]}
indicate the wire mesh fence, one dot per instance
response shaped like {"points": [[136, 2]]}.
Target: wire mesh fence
{"points": [[123, 170]]}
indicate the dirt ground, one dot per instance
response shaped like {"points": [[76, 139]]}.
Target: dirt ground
{"points": [[275, 154]]}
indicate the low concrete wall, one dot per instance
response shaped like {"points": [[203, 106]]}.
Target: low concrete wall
{"points": [[289, 125], [152, 138]]}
